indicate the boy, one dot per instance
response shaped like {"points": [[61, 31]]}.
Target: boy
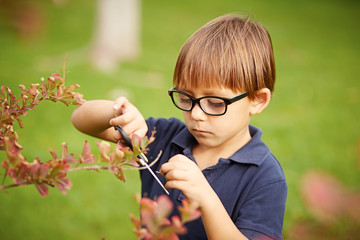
{"points": [[224, 75]]}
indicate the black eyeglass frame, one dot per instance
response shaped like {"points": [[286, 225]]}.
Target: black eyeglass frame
{"points": [[227, 101]]}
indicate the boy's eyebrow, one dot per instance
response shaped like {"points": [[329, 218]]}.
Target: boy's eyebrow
{"points": [[203, 92], [185, 90], [206, 91]]}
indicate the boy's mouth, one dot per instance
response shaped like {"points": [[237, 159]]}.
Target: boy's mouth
{"points": [[198, 131]]}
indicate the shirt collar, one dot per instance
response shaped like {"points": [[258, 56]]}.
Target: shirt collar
{"points": [[254, 152], [184, 139]]}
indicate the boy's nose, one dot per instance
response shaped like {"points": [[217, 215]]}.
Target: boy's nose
{"points": [[197, 113]]}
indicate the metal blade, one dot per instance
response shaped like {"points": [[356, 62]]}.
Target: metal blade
{"points": [[152, 173], [142, 158]]}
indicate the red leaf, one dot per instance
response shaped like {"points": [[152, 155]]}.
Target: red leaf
{"points": [[328, 199], [57, 77], [42, 188], [72, 87], [136, 222], [78, 99], [104, 148], [39, 170], [43, 86], [54, 75], [51, 83], [86, 156], [5, 165], [33, 90], [20, 174], [117, 157], [62, 184], [53, 154], [69, 158], [163, 208], [119, 172], [177, 225], [189, 211], [154, 219], [324, 195], [13, 151]]}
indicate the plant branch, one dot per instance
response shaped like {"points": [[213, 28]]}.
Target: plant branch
{"points": [[91, 168], [2, 187], [4, 178]]}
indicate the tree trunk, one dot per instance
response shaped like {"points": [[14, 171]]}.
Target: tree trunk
{"points": [[116, 33]]}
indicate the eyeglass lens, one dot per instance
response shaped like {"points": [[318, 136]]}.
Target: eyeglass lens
{"points": [[210, 105]]}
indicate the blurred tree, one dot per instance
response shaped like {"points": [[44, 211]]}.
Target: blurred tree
{"points": [[27, 18], [116, 32]]}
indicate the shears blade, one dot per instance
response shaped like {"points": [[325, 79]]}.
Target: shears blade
{"points": [[142, 158]]}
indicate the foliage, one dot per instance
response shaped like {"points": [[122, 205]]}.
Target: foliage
{"points": [[13, 108], [22, 172], [154, 223], [54, 172], [334, 208]]}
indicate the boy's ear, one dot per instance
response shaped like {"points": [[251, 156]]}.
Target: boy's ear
{"points": [[262, 99]]}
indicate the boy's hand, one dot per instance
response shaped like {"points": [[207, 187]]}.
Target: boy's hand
{"points": [[183, 174], [129, 118]]}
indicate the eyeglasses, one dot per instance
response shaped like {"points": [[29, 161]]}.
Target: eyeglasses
{"points": [[211, 105]]}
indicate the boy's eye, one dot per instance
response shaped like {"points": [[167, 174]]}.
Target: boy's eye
{"points": [[184, 100], [215, 103]]}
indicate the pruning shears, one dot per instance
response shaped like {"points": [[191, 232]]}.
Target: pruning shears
{"points": [[142, 158]]}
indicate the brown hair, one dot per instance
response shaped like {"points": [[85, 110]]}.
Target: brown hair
{"points": [[229, 51]]}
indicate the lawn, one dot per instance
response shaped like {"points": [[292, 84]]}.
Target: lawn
{"points": [[311, 123]]}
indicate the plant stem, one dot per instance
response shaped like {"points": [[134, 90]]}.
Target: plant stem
{"points": [[2, 187], [4, 178], [92, 168]]}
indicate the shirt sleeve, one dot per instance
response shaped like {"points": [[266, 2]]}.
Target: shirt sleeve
{"points": [[262, 214]]}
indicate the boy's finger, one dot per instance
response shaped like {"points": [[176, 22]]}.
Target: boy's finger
{"points": [[117, 135], [120, 102], [175, 184], [164, 169], [140, 132], [169, 166], [120, 105], [122, 119], [177, 175]]}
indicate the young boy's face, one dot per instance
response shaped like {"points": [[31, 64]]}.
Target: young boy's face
{"points": [[230, 129]]}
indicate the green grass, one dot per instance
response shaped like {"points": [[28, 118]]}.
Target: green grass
{"points": [[311, 123]]}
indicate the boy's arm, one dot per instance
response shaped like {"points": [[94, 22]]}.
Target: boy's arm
{"points": [[93, 118], [97, 118], [183, 174], [216, 220]]}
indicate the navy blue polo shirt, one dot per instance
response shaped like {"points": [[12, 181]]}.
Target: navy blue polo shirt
{"points": [[250, 184]]}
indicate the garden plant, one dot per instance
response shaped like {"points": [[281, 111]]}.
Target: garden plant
{"points": [[154, 223]]}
